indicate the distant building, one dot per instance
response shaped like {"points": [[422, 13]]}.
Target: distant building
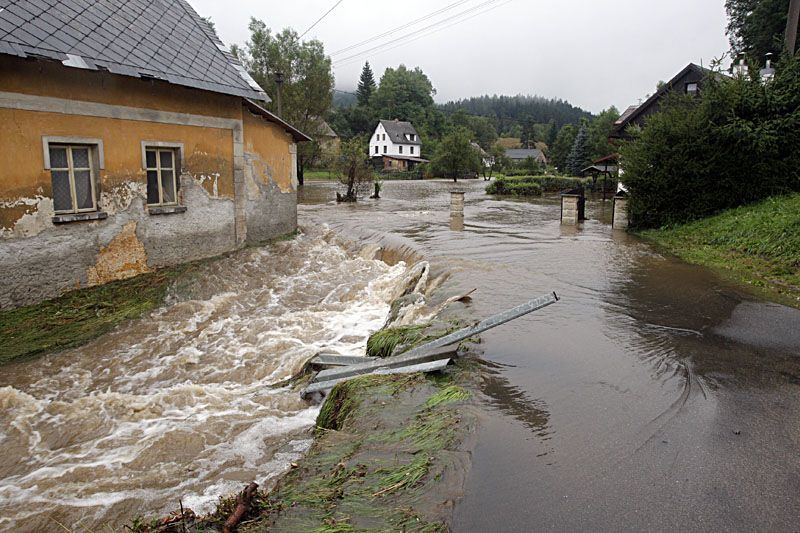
{"points": [[520, 155], [395, 145], [330, 145], [688, 81]]}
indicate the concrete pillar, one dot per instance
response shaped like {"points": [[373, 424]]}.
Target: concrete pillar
{"points": [[619, 218], [570, 209], [457, 203]]}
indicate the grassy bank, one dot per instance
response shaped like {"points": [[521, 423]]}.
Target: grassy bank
{"points": [[758, 244], [79, 316]]}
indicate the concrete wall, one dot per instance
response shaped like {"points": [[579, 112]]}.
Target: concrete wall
{"points": [[238, 182]]}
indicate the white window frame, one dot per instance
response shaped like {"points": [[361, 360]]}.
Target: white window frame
{"points": [[401, 148], [70, 170], [176, 152], [412, 150]]}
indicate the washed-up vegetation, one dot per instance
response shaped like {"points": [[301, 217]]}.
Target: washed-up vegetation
{"points": [[757, 244], [535, 185], [379, 462], [81, 315]]}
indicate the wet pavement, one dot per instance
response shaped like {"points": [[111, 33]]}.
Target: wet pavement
{"points": [[654, 396]]}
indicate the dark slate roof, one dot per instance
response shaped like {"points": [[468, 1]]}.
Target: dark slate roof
{"points": [[397, 131], [523, 153], [161, 39], [632, 114]]}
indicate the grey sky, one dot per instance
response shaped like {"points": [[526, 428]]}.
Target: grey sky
{"points": [[593, 53]]}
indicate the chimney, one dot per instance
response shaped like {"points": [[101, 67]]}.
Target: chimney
{"points": [[768, 72], [740, 67]]}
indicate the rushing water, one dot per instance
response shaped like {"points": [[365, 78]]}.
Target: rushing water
{"points": [[181, 404], [653, 396]]}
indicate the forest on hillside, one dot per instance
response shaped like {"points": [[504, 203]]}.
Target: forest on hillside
{"points": [[509, 111]]}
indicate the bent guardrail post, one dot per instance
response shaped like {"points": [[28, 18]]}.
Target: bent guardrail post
{"points": [[437, 349]]}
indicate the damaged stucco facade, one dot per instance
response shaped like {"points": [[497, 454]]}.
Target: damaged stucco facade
{"points": [[237, 181]]}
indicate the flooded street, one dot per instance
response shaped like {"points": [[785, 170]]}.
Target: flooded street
{"points": [[654, 396], [182, 404]]}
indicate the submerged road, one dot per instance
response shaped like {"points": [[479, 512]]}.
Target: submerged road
{"points": [[654, 396]]}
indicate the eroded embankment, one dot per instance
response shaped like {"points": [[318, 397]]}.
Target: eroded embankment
{"points": [[390, 452]]}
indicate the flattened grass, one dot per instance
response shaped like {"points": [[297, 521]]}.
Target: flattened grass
{"points": [[757, 244]]}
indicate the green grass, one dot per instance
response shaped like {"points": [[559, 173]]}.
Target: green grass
{"points": [[79, 316], [320, 174], [382, 343], [757, 244]]}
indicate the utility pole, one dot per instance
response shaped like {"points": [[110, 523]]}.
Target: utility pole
{"points": [[279, 83], [791, 26]]}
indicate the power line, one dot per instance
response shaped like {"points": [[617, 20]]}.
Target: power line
{"points": [[404, 40], [401, 27], [420, 30], [328, 12]]}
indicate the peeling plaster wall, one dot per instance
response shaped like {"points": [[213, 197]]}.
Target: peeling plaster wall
{"points": [[238, 181], [270, 181], [131, 241]]}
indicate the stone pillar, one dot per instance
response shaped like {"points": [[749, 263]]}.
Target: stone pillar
{"points": [[570, 209], [619, 218], [293, 157], [457, 203]]}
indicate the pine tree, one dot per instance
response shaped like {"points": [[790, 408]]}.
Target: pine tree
{"points": [[366, 85], [579, 156]]}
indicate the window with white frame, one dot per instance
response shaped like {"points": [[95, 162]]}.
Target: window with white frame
{"points": [[376, 149], [162, 175], [72, 171], [384, 148], [401, 149], [412, 150]]}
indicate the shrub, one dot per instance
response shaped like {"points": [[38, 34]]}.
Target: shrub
{"points": [[535, 185], [735, 144]]}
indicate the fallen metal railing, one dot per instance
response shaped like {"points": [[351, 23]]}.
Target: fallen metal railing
{"points": [[429, 357]]}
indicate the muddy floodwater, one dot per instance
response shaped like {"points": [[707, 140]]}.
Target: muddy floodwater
{"points": [[181, 404], [654, 396]]}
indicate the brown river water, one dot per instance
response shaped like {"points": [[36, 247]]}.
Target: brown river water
{"points": [[180, 404], [653, 396]]}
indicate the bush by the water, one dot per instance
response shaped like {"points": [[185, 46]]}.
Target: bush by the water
{"points": [[534, 185], [737, 143]]}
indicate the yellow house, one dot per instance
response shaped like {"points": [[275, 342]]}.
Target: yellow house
{"points": [[131, 140]]}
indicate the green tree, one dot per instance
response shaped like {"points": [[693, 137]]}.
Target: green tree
{"points": [[563, 146], [735, 144], [307, 88], [404, 94], [599, 130], [756, 27], [455, 156], [551, 134], [354, 170], [579, 156], [528, 137], [366, 85]]}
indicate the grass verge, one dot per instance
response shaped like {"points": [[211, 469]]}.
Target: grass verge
{"points": [[79, 316], [757, 244]]}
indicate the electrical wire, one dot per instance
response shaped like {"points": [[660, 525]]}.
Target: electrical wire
{"points": [[401, 27], [328, 12], [402, 41]]}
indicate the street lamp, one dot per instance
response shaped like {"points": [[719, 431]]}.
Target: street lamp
{"points": [[279, 83]]}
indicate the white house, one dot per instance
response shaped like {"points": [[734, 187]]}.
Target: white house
{"points": [[396, 144]]}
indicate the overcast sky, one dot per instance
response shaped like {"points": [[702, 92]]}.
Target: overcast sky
{"points": [[593, 53]]}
